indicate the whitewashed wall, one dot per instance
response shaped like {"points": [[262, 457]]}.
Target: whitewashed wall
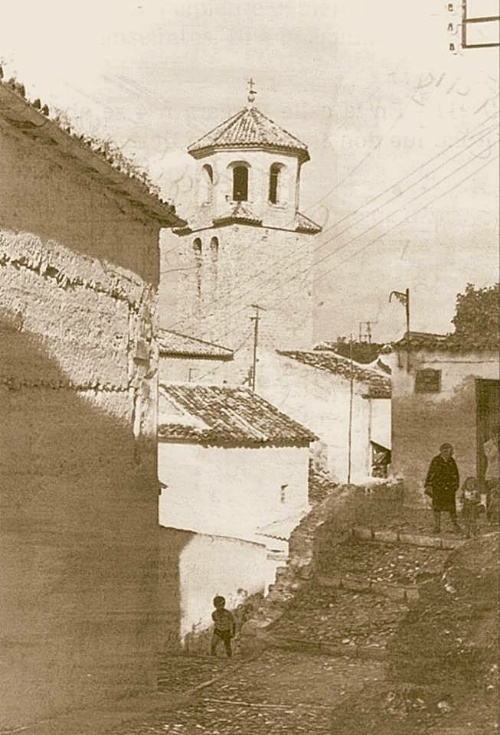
{"points": [[320, 401], [230, 492]]}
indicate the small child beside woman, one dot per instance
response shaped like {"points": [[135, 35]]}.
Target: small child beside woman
{"points": [[470, 499]]}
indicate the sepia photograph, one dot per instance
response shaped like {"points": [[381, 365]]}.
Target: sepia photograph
{"points": [[249, 367]]}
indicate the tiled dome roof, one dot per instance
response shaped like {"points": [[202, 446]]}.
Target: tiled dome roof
{"points": [[249, 128]]}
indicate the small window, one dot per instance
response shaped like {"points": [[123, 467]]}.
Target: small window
{"points": [[197, 262], [274, 183], [428, 381], [197, 248], [283, 491], [214, 248], [207, 184], [240, 184]]}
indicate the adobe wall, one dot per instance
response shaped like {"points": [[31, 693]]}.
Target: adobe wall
{"points": [[421, 422], [78, 473], [46, 193]]}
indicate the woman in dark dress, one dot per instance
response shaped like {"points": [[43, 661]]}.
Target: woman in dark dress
{"points": [[441, 484]]}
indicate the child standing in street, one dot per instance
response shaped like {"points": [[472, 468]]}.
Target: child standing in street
{"points": [[471, 505], [224, 627]]}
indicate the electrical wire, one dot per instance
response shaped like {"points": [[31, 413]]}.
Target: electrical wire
{"points": [[237, 296]]}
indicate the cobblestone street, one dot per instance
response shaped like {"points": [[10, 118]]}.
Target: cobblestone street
{"points": [[278, 692]]}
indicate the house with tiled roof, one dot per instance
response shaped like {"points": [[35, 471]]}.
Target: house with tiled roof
{"points": [[79, 269], [246, 240], [231, 461], [345, 403], [234, 476], [445, 389]]}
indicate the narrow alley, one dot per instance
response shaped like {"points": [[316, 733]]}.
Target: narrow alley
{"points": [[327, 652]]}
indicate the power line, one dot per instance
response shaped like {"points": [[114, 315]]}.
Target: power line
{"points": [[376, 239], [236, 296], [218, 367], [410, 216], [348, 242], [329, 255]]}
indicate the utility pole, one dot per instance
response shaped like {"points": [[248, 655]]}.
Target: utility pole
{"points": [[404, 298], [255, 319], [351, 398]]}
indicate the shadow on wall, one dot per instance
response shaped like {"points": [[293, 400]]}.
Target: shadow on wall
{"points": [[78, 539], [194, 567], [172, 543]]}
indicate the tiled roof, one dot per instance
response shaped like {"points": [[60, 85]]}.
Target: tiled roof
{"points": [[304, 224], [32, 119], [224, 416], [378, 384], [173, 344], [248, 128], [448, 342], [239, 212]]}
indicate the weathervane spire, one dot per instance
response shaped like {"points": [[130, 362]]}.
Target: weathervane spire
{"points": [[251, 92]]}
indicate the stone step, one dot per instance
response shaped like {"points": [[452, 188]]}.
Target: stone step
{"points": [[302, 645], [365, 533], [407, 593]]}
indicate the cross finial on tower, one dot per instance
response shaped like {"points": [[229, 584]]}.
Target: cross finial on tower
{"points": [[251, 91]]}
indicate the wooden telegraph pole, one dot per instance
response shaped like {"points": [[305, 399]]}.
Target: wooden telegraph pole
{"points": [[255, 319], [404, 298], [351, 399]]}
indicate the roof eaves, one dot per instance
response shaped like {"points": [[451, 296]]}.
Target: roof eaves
{"points": [[18, 112], [212, 350]]}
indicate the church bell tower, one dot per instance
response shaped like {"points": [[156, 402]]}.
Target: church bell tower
{"points": [[246, 244]]}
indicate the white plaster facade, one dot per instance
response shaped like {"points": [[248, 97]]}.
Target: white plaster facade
{"points": [[321, 401], [214, 196], [231, 491], [207, 565]]}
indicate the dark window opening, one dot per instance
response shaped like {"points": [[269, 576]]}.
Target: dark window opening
{"points": [[428, 381], [274, 181], [240, 184], [214, 247], [198, 263]]}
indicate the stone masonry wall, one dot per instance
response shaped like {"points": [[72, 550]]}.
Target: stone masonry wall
{"points": [[328, 524], [79, 489], [252, 265]]}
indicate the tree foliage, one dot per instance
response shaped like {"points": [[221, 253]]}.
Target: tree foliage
{"points": [[476, 313], [362, 352]]}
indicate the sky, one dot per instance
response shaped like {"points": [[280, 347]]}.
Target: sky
{"points": [[401, 131]]}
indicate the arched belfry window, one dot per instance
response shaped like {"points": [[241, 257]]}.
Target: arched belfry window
{"points": [[240, 183], [275, 183], [206, 184]]}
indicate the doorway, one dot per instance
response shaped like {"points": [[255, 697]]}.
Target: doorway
{"points": [[487, 408]]}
